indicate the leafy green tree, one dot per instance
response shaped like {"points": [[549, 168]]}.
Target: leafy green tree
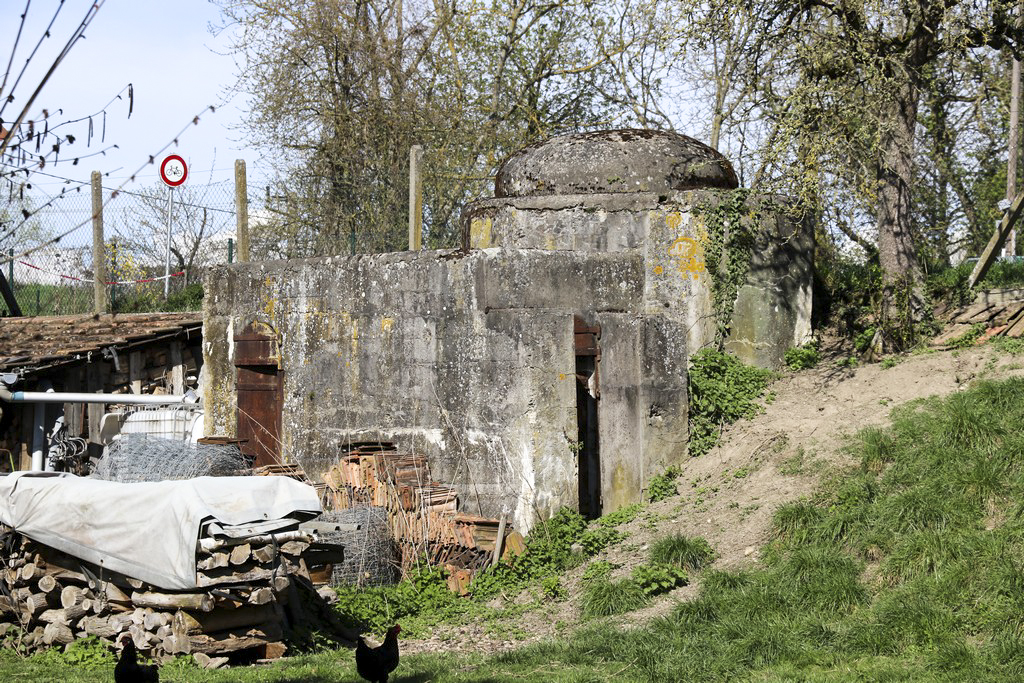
{"points": [[840, 90], [340, 89]]}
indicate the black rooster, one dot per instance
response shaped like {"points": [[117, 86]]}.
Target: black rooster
{"points": [[128, 669], [374, 664]]}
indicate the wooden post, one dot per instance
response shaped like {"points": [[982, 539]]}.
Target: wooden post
{"points": [[242, 211], [499, 542], [94, 411], [177, 374], [415, 198], [135, 371], [99, 258], [1011, 163], [988, 256]]}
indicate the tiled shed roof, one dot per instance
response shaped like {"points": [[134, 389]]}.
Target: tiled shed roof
{"points": [[45, 341]]}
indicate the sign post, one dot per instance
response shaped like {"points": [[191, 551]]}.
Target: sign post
{"points": [[173, 171]]}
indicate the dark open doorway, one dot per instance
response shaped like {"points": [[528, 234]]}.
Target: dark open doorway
{"points": [[588, 355]]}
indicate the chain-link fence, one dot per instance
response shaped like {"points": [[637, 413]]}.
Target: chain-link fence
{"points": [[156, 245]]}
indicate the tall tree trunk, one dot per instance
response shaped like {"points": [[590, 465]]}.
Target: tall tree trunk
{"points": [[903, 297]]}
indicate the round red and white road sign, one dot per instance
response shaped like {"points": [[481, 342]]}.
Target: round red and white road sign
{"points": [[173, 170]]}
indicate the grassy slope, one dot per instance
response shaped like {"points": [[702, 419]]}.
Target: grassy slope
{"points": [[909, 567]]}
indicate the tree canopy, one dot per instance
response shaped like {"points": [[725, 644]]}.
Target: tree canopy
{"points": [[884, 120]]}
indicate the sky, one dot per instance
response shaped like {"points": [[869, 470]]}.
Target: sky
{"points": [[176, 66]]}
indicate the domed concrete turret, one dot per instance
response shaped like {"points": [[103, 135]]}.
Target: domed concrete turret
{"points": [[613, 161]]}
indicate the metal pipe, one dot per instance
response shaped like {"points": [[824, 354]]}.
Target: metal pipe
{"points": [[167, 255], [73, 397]]}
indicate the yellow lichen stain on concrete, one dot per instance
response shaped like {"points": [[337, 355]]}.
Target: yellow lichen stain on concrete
{"points": [[386, 324], [673, 220], [689, 257], [623, 489], [480, 233], [549, 242]]}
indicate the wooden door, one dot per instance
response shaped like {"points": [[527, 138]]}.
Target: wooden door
{"points": [[259, 386]]}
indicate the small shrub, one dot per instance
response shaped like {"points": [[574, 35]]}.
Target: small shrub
{"points": [[89, 653], [603, 597], [621, 516], [663, 485], [862, 342], [594, 541], [722, 390], [802, 357], [682, 551], [600, 569], [1010, 345], [552, 588], [655, 579]]}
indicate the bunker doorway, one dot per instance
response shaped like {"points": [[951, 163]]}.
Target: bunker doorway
{"points": [[260, 393], [588, 451]]}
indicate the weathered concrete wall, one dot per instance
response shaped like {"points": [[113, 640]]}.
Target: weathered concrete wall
{"points": [[772, 311], [467, 357]]}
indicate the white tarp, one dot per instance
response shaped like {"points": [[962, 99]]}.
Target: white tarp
{"points": [[146, 530]]}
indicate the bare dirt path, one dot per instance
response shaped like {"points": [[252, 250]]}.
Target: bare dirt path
{"points": [[729, 495]]}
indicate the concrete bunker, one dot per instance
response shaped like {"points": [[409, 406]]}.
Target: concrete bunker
{"points": [[544, 363]]}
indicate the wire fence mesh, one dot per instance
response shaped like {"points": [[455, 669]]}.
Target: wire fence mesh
{"points": [[157, 243], [156, 247], [138, 457]]}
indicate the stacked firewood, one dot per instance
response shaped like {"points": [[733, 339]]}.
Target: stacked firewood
{"points": [[249, 597], [423, 514]]}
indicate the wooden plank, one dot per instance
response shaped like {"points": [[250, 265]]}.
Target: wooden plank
{"points": [[135, 371], [995, 243], [177, 373], [94, 411], [1016, 329]]}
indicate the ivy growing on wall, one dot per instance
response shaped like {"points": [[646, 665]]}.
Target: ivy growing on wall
{"points": [[727, 251]]}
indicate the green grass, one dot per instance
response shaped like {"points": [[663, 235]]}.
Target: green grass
{"points": [[907, 566], [682, 551]]}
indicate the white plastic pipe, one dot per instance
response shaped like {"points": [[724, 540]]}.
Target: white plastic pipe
{"points": [[73, 397], [39, 431], [39, 413]]}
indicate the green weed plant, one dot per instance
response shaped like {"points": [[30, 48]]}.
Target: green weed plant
{"points": [[722, 390]]}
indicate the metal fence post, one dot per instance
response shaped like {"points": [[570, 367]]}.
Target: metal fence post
{"points": [[242, 210], [231, 250], [98, 253]]}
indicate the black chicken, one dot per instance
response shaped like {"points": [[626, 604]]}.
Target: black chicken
{"points": [[374, 664], [128, 669]]}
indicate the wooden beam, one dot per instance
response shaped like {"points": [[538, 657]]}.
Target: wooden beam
{"points": [[12, 304], [988, 256]]}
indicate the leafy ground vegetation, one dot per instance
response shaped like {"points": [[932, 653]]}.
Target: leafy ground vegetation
{"points": [[909, 565]]}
